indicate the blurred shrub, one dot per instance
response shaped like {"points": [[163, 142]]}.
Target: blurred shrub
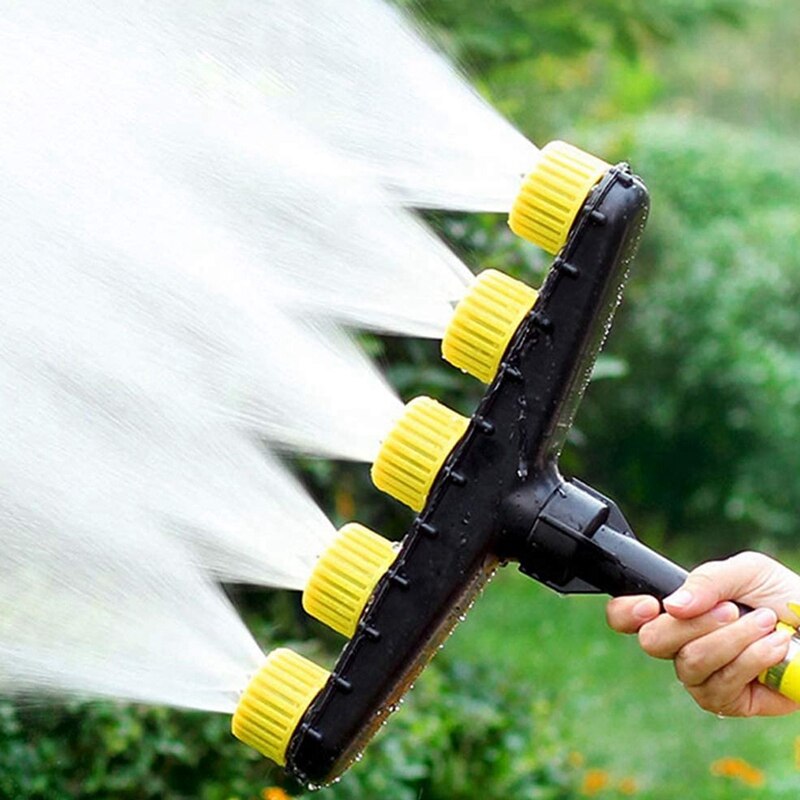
{"points": [[702, 434], [555, 65], [102, 750], [463, 733]]}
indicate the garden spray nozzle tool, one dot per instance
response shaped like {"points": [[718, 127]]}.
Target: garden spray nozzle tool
{"points": [[487, 489]]}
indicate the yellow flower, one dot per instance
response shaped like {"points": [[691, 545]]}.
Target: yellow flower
{"points": [[628, 786], [738, 769], [274, 793], [594, 781]]}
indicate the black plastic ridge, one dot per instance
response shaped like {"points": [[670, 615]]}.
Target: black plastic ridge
{"points": [[485, 504]]}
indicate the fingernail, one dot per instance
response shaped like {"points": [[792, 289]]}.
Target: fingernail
{"points": [[766, 618], [643, 609], [680, 598], [724, 612]]}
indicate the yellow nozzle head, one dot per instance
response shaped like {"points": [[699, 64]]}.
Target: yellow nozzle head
{"points": [[415, 449], [345, 576], [484, 322], [275, 701], [553, 193]]}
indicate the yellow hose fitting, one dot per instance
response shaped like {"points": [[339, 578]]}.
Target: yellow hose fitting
{"points": [[785, 676], [553, 193], [415, 449], [345, 576], [484, 321], [275, 701]]}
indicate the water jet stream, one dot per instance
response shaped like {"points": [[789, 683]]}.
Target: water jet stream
{"points": [[216, 179], [108, 608], [359, 74], [186, 217], [362, 76]]}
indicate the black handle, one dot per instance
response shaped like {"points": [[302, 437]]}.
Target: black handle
{"points": [[636, 569], [630, 567]]}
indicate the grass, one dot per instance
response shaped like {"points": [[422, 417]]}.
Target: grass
{"points": [[630, 724]]}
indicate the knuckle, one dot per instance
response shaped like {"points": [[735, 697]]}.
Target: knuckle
{"points": [[751, 559], [690, 661], [727, 692]]}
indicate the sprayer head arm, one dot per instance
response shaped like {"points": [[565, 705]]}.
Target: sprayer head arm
{"points": [[513, 440]]}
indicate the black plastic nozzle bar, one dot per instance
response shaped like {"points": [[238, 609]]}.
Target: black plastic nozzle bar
{"points": [[470, 524]]}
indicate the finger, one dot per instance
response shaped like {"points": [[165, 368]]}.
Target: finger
{"points": [[715, 581], [728, 691], [628, 614], [698, 660], [665, 636]]}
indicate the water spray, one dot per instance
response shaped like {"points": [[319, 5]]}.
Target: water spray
{"points": [[487, 489]]}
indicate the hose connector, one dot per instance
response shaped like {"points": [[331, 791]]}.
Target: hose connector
{"points": [[274, 702], [553, 193], [784, 677], [484, 322], [415, 450], [345, 576]]}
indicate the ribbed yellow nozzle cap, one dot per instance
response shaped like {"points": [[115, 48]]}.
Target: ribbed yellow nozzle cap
{"points": [[484, 322], [345, 576], [553, 193], [415, 449], [275, 701]]}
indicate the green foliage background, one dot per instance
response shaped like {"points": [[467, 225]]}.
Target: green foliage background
{"points": [[694, 426]]}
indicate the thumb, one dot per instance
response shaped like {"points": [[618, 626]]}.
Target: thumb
{"points": [[734, 578]]}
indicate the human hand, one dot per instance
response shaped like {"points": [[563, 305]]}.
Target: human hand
{"points": [[718, 655]]}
